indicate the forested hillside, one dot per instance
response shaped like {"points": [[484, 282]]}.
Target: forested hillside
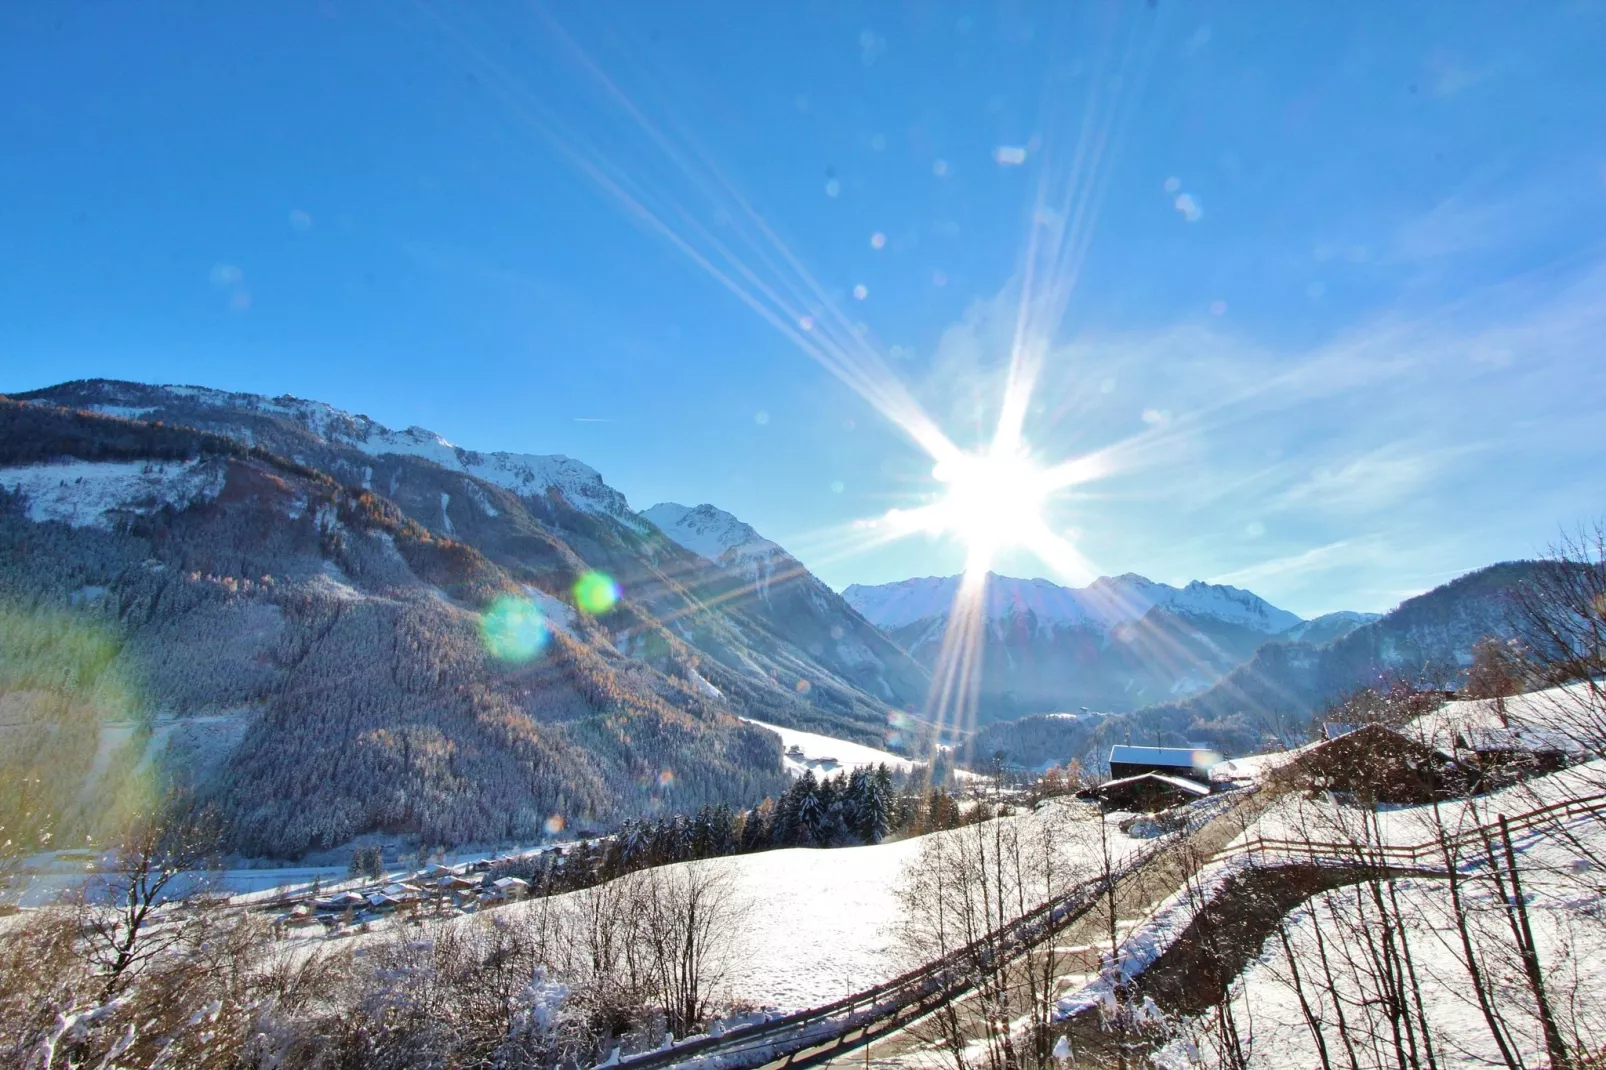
{"points": [[322, 663], [543, 517]]}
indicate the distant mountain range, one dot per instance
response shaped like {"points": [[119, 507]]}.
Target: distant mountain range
{"points": [[1120, 643], [1271, 698]]}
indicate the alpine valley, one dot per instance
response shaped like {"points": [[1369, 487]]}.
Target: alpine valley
{"points": [[287, 605]]}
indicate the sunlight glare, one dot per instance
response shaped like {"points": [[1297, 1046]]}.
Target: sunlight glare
{"points": [[990, 499]]}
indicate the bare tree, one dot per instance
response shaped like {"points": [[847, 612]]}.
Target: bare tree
{"points": [[691, 914], [158, 858], [959, 897], [1560, 611]]}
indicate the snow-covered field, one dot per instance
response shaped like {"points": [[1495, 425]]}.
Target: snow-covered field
{"points": [[821, 921], [818, 924], [828, 756]]}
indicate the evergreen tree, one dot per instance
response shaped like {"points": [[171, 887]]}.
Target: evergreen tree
{"points": [[887, 795], [724, 831], [756, 833], [788, 812], [806, 830], [702, 833]]}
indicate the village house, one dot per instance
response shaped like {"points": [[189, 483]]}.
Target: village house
{"points": [[1190, 763]]}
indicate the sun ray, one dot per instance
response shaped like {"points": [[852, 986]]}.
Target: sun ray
{"points": [[989, 499]]}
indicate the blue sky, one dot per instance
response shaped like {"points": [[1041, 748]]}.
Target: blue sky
{"points": [[1341, 292]]}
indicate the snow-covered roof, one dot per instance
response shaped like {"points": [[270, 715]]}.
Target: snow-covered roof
{"points": [[1556, 719], [1255, 766], [1181, 757], [1191, 786]]}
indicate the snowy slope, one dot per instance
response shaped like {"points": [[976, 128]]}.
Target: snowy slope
{"points": [[93, 493], [1565, 719], [1561, 887], [828, 756], [1105, 603], [822, 922]]}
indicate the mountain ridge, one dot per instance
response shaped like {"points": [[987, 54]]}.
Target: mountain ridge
{"points": [[1108, 600], [1119, 643]]}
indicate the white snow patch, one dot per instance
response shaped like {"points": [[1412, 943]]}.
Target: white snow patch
{"points": [[558, 613], [91, 493], [127, 412], [703, 685]]}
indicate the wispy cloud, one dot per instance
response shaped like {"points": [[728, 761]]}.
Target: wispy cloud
{"points": [[1362, 465], [1316, 559], [1371, 482]]}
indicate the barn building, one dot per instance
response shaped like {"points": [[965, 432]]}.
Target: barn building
{"points": [[1191, 763]]}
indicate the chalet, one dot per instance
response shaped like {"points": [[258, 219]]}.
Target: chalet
{"points": [[1507, 739], [1378, 765], [1188, 763], [511, 887], [300, 914], [1145, 793]]}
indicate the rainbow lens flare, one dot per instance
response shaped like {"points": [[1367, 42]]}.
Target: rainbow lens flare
{"points": [[595, 593], [514, 629]]}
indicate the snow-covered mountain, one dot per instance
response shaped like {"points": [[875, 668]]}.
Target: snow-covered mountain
{"points": [[709, 532], [524, 474], [765, 632], [1328, 628], [1117, 644], [1107, 602]]}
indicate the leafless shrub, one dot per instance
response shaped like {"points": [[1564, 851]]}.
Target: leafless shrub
{"points": [[957, 897]]}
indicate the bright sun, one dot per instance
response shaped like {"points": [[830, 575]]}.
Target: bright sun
{"points": [[991, 500]]}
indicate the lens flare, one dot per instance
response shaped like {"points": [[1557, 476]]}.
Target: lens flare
{"points": [[514, 629], [595, 593], [666, 779], [553, 825]]}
